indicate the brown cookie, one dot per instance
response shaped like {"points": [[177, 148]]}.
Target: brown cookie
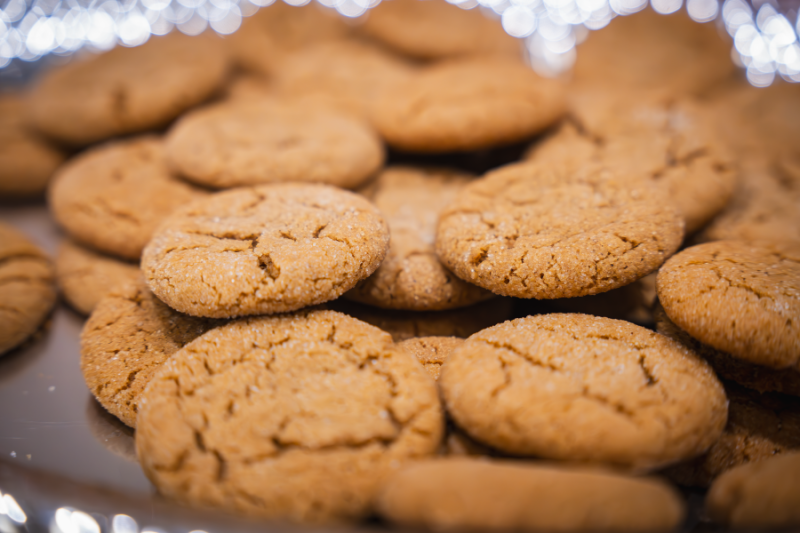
{"points": [[267, 249], [27, 288], [758, 495], [297, 416], [127, 338], [85, 277], [740, 298], [533, 230], [128, 90], [411, 276], [432, 352], [583, 388], [468, 104], [266, 141], [477, 494]]}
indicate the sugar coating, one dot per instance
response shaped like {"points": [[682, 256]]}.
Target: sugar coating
{"points": [[296, 416], [266, 249], [432, 352]]}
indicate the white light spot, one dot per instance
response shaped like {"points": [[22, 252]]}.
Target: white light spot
{"points": [[351, 8], [123, 523], [13, 510], [229, 23], [627, 7], [134, 29], [665, 7], [702, 10], [519, 21], [758, 78], [194, 26]]}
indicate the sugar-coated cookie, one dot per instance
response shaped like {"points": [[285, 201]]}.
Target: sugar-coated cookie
{"points": [[296, 416], [432, 352]]}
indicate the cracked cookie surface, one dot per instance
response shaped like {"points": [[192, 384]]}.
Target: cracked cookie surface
{"points": [[127, 338], [266, 249], [740, 298], [27, 287], [266, 141], [432, 352], [583, 388], [411, 276], [533, 230], [296, 416], [112, 198]]}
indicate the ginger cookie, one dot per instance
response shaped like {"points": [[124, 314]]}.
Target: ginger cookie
{"points": [[758, 495], [478, 494], [535, 231], [128, 90], [432, 352], [468, 104], [740, 298], [266, 249], [411, 276], [27, 288], [256, 142], [112, 198], [436, 29], [760, 425], [85, 277], [127, 338], [26, 160], [297, 416], [583, 388]]}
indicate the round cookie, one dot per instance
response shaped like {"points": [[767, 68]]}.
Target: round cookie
{"points": [[466, 105], [411, 276], [128, 90], [267, 249], [84, 277], [256, 142], [436, 29], [583, 388], [432, 352], [758, 495], [468, 494], [534, 231], [112, 198], [27, 288], [740, 298], [127, 338], [26, 161], [298, 416]]}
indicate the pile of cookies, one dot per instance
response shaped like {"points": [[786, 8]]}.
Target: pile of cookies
{"points": [[334, 271]]}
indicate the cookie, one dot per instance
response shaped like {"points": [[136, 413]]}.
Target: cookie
{"points": [[759, 427], [411, 276], [127, 338], [297, 417], [436, 29], [404, 325], [752, 376], [740, 298], [128, 90], [534, 231], [267, 249], [583, 388], [27, 288], [472, 494], [432, 352], [85, 277], [758, 495], [26, 160], [466, 105], [256, 142]]}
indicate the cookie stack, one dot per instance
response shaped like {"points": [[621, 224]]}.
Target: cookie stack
{"points": [[332, 271]]}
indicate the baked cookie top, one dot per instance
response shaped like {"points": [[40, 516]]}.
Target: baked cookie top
{"points": [[127, 338], [468, 104], [432, 352], [85, 277], [113, 197], [584, 388], [533, 230], [741, 298], [296, 416], [411, 276], [27, 287], [128, 90], [266, 249], [265, 141]]}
